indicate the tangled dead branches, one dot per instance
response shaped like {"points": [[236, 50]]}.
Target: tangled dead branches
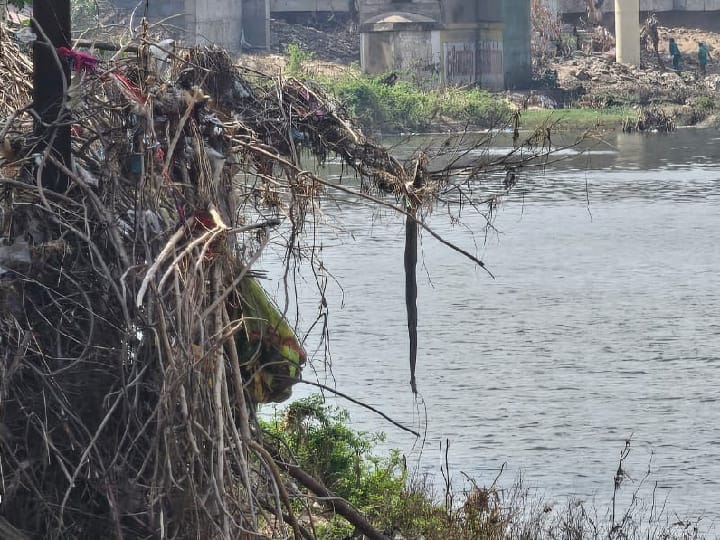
{"points": [[136, 339]]}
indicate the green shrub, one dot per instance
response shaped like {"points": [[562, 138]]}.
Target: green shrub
{"points": [[404, 106], [705, 104], [474, 106], [317, 436], [397, 107], [297, 58]]}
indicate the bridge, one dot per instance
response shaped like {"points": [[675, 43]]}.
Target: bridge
{"points": [[311, 6]]}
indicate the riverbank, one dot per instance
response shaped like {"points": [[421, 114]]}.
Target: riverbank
{"points": [[581, 91], [403, 504]]}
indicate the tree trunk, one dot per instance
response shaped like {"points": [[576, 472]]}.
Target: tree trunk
{"points": [[51, 77]]}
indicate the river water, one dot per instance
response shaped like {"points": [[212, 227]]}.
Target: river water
{"points": [[602, 324]]}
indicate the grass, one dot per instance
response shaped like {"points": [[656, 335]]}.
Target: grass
{"points": [[403, 106], [577, 119], [406, 106], [297, 59]]}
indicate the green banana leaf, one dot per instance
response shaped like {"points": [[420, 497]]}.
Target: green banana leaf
{"points": [[272, 355]]}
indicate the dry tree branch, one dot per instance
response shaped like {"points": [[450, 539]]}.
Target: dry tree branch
{"points": [[328, 499]]}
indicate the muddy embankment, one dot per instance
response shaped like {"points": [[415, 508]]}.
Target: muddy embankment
{"points": [[588, 78]]}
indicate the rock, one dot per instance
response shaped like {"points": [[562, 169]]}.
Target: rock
{"points": [[712, 82], [583, 75]]}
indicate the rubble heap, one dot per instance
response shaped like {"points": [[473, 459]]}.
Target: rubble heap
{"points": [[575, 67]]}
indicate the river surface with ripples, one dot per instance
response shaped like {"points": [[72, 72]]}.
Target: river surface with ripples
{"points": [[602, 324]]}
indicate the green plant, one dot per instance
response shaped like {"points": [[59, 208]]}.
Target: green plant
{"points": [[318, 438], [405, 106], [316, 434], [576, 118], [705, 104], [474, 106], [297, 57], [83, 13]]}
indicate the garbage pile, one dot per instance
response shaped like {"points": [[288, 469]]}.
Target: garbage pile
{"points": [[335, 43]]}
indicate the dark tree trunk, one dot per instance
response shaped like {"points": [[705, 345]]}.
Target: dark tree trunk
{"points": [[50, 80]]}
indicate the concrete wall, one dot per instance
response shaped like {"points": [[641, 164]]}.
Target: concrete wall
{"points": [[460, 54], [300, 6], [256, 23], [212, 22], [470, 45], [517, 60], [397, 41], [410, 51], [471, 11], [446, 11], [215, 22], [172, 10], [377, 51], [690, 5], [471, 54]]}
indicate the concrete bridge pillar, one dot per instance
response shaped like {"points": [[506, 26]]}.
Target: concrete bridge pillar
{"points": [[627, 31]]}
